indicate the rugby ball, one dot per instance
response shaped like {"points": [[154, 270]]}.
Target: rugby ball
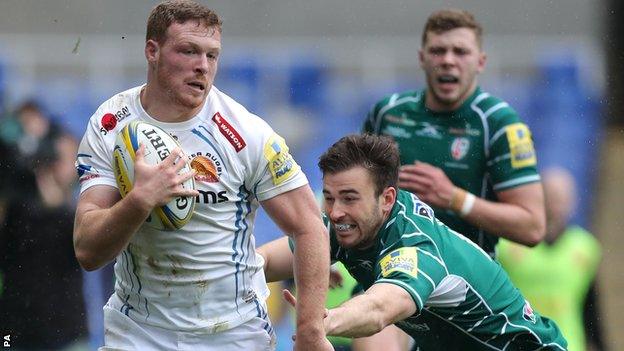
{"points": [[158, 145]]}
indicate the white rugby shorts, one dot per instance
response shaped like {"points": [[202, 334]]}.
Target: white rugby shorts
{"points": [[123, 333]]}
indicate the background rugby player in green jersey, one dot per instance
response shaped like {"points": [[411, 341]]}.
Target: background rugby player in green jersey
{"points": [[430, 281], [464, 151]]}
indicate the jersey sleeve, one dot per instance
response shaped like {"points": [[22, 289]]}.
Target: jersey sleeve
{"points": [[273, 170], [414, 269], [94, 157], [511, 156]]}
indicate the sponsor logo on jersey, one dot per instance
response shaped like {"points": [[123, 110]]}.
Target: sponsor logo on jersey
{"points": [[459, 148], [456, 165], [109, 121], [211, 197], [365, 264], [520, 145], [403, 120], [428, 130], [229, 132], [250, 296], [396, 132], [404, 260], [206, 168], [85, 171], [87, 177], [464, 131], [527, 312], [281, 164]]}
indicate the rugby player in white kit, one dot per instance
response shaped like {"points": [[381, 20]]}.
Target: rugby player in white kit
{"points": [[201, 287]]}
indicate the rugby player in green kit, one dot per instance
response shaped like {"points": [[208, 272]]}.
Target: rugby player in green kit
{"points": [[417, 273], [464, 152]]}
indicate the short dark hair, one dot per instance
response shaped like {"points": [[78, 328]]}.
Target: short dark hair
{"points": [[379, 155], [448, 19], [179, 11]]}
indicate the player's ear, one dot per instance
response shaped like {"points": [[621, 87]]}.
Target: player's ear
{"points": [[421, 57], [152, 50], [388, 197], [482, 61]]}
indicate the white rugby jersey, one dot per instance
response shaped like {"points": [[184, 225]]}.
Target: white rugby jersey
{"points": [[205, 277]]}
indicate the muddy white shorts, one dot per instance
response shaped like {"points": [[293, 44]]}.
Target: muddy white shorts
{"points": [[123, 333]]}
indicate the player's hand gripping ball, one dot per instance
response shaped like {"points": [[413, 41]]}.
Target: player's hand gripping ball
{"points": [[158, 145]]}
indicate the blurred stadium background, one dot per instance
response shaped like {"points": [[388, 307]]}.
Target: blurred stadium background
{"points": [[314, 68]]}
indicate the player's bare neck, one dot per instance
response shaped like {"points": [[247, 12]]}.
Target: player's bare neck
{"points": [[161, 107]]}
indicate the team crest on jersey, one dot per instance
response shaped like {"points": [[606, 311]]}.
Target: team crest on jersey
{"points": [[209, 168], [459, 148], [527, 312], [206, 168], [520, 145], [403, 260], [109, 121], [229, 132], [281, 164], [423, 210]]}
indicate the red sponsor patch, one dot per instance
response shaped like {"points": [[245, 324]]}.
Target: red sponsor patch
{"points": [[109, 122], [229, 132]]}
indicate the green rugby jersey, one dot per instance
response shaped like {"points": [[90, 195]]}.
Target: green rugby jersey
{"points": [[482, 147], [465, 300]]}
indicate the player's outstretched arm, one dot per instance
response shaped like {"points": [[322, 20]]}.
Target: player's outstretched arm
{"points": [[296, 213], [278, 260], [368, 313], [104, 222]]}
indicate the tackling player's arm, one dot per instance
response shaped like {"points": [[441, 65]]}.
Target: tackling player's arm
{"points": [[296, 213], [366, 314], [278, 260], [381, 305], [105, 223], [518, 215]]}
